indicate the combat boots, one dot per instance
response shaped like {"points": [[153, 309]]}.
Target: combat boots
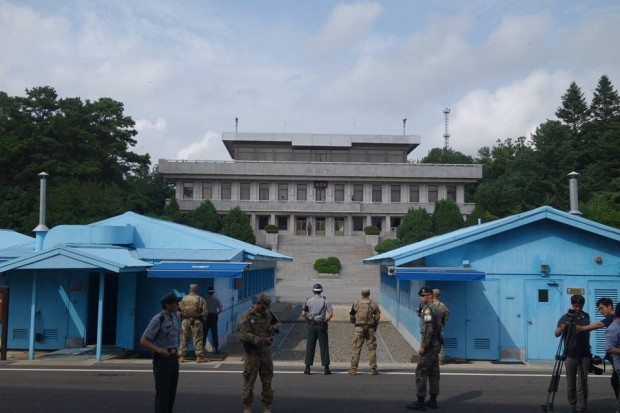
{"points": [[182, 359], [266, 408], [352, 372], [247, 408], [432, 403], [373, 371], [201, 359], [418, 405]]}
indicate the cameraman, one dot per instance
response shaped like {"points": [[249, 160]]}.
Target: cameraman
{"points": [[577, 351], [612, 346]]}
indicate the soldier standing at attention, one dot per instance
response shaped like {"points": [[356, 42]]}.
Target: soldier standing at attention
{"points": [[445, 314], [214, 308], [193, 311], [257, 327], [428, 360], [162, 338], [317, 312], [365, 314]]}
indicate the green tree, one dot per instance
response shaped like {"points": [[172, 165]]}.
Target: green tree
{"points": [[205, 217], [415, 226], [605, 104], [446, 156], [236, 224], [446, 217], [574, 111], [479, 213], [172, 211], [603, 208], [388, 245]]}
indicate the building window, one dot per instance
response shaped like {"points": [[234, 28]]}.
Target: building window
{"points": [[451, 189], [377, 222], [319, 194], [358, 193], [302, 192], [188, 190], [263, 221], [207, 190], [414, 193], [225, 194], [339, 192], [339, 226], [283, 192], [432, 193], [244, 191], [395, 193], [543, 296], [282, 222], [394, 223], [376, 193], [263, 191], [358, 223]]}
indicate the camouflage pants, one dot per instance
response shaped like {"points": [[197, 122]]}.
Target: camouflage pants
{"points": [[371, 345], [257, 362], [428, 370], [193, 328]]}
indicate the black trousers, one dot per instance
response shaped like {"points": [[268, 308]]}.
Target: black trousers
{"points": [[211, 324], [317, 332], [166, 372]]}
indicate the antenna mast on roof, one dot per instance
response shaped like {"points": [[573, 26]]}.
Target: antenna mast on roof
{"points": [[236, 124], [404, 125], [446, 134]]}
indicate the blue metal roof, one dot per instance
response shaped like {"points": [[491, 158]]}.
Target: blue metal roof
{"points": [[10, 238], [178, 254], [197, 270], [411, 252], [438, 274], [112, 259], [157, 233]]}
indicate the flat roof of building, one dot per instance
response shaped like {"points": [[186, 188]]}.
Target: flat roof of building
{"points": [[320, 140]]}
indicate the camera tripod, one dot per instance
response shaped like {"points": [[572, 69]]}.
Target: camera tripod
{"points": [[560, 358]]}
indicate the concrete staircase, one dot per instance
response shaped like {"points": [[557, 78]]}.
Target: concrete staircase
{"points": [[306, 250]]}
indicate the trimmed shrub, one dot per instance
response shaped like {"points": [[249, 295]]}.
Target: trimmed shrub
{"points": [[330, 265], [372, 230], [387, 245], [271, 229]]}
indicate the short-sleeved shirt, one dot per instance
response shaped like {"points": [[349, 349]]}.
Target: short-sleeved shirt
{"points": [[214, 305], [316, 307], [608, 320], [578, 345], [612, 339], [163, 330]]}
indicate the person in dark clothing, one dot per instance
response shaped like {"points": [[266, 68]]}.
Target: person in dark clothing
{"points": [[214, 308], [162, 338]]}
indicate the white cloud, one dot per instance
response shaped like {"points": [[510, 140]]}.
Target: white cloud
{"points": [[208, 148], [143, 125], [347, 26]]}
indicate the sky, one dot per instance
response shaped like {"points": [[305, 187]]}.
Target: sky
{"points": [[185, 69]]}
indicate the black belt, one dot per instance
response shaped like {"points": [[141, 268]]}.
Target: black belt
{"points": [[365, 325]]}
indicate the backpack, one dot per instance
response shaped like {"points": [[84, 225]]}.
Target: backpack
{"points": [[362, 312]]}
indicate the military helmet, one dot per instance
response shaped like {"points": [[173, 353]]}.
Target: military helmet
{"points": [[317, 288], [211, 290], [264, 299]]}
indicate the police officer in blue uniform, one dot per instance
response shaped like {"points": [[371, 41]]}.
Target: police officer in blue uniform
{"points": [[162, 338]]}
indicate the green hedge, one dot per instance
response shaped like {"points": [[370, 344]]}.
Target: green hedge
{"points": [[387, 245], [372, 230], [271, 229], [329, 265]]}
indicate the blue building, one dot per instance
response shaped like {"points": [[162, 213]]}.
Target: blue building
{"points": [[100, 284], [506, 282]]}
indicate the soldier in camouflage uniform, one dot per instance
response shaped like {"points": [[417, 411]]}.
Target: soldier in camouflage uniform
{"points": [[445, 314], [258, 325], [193, 312], [365, 314], [428, 361]]}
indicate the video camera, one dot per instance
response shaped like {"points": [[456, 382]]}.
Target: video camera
{"points": [[595, 361], [571, 314]]}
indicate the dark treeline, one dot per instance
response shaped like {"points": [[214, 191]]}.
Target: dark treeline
{"points": [[85, 146], [524, 173]]}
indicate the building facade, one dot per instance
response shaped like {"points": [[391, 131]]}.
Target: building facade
{"points": [[506, 282], [323, 185]]}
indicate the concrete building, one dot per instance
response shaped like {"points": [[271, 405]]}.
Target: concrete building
{"points": [[319, 184], [506, 282]]}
